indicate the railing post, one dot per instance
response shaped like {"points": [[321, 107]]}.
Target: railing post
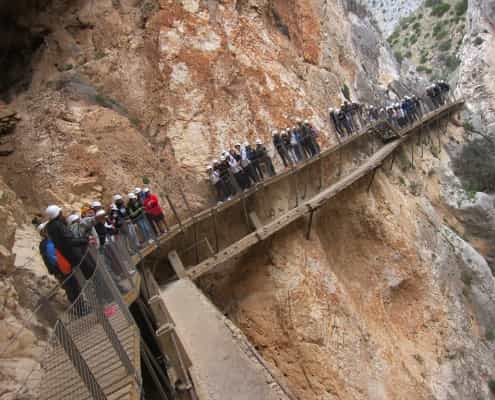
{"points": [[78, 362]]}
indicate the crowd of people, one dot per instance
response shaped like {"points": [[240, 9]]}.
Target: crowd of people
{"points": [[72, 241], [354, 117], [75, 241], [244, 165]]}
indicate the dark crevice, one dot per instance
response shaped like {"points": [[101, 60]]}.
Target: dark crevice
{"points": [[20, 40]]}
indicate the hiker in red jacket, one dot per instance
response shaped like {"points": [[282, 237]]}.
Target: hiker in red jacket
{"points": [[154, 212]]}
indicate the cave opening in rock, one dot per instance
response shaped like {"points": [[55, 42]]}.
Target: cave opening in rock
{"points": [[20, 39]]}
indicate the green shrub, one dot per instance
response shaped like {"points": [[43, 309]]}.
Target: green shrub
{"points": [[408, 54], [424, 58], [452, 62], [475, 165], [146, 180], [491, 385], [461, 7], [442, 34], [490, 335], [467, 278], [445, 45], [440, 9], [417, 26], [424, 68], [478, 41], [413, 39], [346, 92], [398, 56], [431, 3]]}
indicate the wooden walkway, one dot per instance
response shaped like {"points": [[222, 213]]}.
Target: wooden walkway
{"points": [[61, 381], [208, 264]]}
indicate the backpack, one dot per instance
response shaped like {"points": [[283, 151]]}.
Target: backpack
{"points": [[63, 264]]}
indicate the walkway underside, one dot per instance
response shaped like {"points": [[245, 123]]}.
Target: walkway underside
{"points": [[224, 365]]}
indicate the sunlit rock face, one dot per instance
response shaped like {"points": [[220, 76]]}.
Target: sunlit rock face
{"points": [[386, 301]]}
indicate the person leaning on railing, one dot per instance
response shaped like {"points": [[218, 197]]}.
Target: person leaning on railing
{"points": [[72, 248], [54, 264]]}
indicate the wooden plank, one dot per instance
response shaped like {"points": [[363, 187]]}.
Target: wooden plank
{"points": [[176, 264]]}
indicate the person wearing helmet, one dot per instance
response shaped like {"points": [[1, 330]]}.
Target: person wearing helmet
{"points": [[154, 212], [214, 178], [96, 205], [126, 231], [246, 164], [263, 158], [235, 162], [313, 137], [295, 150], [334, 122], [136, 213], [48, 253], [306, 140], [74, 249], [279, 146]]}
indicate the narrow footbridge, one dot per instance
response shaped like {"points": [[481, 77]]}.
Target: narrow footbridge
{"points": [[199, 244], [96, 349]]}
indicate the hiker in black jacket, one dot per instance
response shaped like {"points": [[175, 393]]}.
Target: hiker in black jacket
{"points": [[73, 249]]}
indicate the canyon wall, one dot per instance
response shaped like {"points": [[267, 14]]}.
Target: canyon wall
{"points": [[385, 301]]}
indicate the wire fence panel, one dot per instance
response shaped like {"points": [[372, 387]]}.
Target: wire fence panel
{"points": [[93, 349]]}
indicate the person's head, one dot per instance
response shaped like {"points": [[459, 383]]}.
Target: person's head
{"points": [[238, 146], [53, 212], [42, 229], [137, 191], [132, 197], [96, 205], [258, 142], [100, 216], [209, 169], [72, 219], [118, 200], [146, 192]]}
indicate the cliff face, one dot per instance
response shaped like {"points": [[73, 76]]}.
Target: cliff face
{"points": [[373, 307]]}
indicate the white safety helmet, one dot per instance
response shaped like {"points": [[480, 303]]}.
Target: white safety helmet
{"points": [[137, 190], [306, 121], [96, 204], [100, 213], [52, 212], [246, 144], [223, 158], [132, 196], [237, 145], [215, 162], [73, 218], [209, 168], [274, 132], [298, 120], [258, 141], [146, 190], [331, 109], [117, 197], [114, 207]]}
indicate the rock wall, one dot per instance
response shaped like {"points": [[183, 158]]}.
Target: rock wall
{"points": [[374, 306], [385, 300], [388, 13]]}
